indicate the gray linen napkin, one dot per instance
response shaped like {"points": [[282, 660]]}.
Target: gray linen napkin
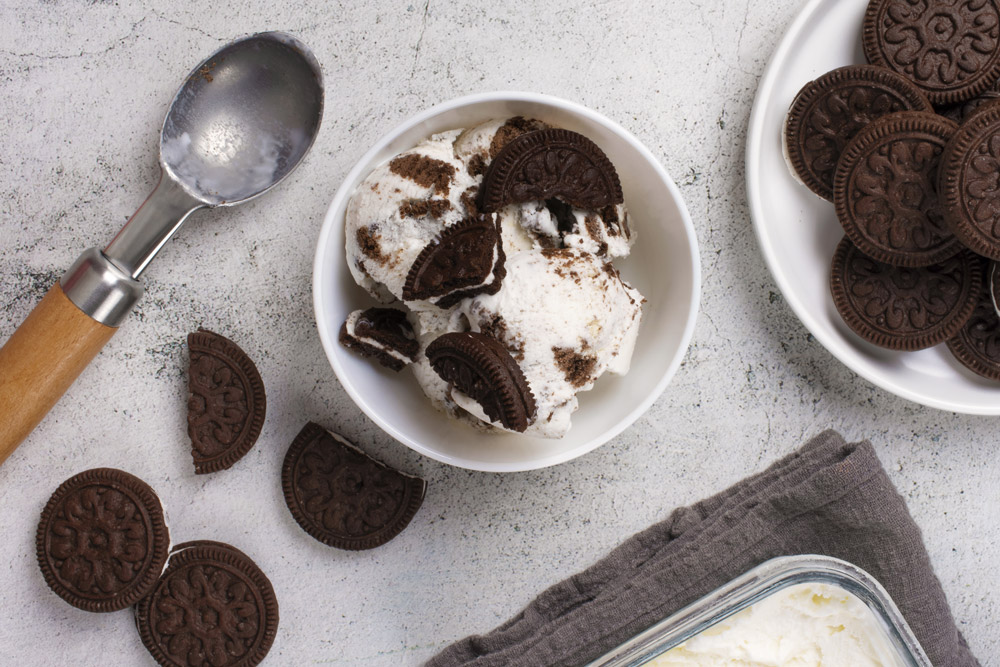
{"points": [[830, 497]]}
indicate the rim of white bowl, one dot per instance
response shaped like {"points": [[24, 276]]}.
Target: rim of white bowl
{"points": [[329, 340], [755, 146]]}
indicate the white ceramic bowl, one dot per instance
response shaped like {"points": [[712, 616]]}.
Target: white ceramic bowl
{"points": [[664, 266]]}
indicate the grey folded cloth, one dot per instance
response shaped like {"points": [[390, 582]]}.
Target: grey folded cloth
{"points": [[830, 497]]}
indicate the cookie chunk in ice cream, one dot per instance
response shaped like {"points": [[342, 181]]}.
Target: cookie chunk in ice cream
{"points": [[505, 233]]}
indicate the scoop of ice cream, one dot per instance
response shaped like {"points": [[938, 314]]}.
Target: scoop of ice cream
{"points": [[403, 205], [565, 316]]}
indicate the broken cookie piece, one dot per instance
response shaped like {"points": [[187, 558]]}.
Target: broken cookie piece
{"points": [[381, 333], [551, 163], [343, 497], [227, 403], [482, 369], [467, 259]]}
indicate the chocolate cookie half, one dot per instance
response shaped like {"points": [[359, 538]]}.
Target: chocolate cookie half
{"points": [[885, 190], [102, 541], [213, 606], [977, 344], [950, 50], [967, 182], [343, 497], [904, 308], [467, 259], [226, 404], [383, 334], [481, 368], [551, 163], [828, 112]]}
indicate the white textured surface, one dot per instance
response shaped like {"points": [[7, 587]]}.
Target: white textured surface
{"points": [[85, 86]]}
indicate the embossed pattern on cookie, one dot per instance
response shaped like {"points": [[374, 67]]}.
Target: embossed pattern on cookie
{"points": [[102, 541], [551, 163], [977, 344], [213, 606], [227, 403], [482, 369], [968, 186], [885, 190], [467, 259], [343, 497], [904, 308], [827, 113], [950, 49]]}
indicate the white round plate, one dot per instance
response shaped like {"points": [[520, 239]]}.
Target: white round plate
{"points": [[663, 266], [798, 231]]}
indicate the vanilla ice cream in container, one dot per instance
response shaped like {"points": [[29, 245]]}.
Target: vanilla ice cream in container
{"points": [[497, 244], [793, 611]]}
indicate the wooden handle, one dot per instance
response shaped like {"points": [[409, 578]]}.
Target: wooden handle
{"points": [[41, 360]]}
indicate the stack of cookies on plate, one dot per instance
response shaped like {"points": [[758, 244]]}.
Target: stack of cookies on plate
{"points": [[908, 150]]}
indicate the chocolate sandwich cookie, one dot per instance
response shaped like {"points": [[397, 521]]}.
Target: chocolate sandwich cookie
{"points": [[977, 344], [226, 404], [548, 164], [481, 368], [950, 50], [885, 190], [904, 308], [383, 334], [828, 112], [967, 182], [343, 497], [102, 541], [213, 606], [467, 259]]}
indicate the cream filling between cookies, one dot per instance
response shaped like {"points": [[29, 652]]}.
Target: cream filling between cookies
{"points": [[473, 407], [993, 288], [788, 158]]}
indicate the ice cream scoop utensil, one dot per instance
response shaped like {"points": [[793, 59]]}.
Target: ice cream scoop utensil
{"points": [[242, 120]]}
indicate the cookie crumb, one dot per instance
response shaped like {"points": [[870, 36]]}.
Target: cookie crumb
{"points": [[424, 171], [370, 247], [578, 368]]}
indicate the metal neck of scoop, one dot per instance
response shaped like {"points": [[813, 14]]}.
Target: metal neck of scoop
{"points": [[100, 289], [149, 228]]}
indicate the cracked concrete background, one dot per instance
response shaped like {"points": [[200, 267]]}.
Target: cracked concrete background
{"points": [[85, 86]]}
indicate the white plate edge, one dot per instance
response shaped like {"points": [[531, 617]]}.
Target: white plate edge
{"points": [[755, 129]]}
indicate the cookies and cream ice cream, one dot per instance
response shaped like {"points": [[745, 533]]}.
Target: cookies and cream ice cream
{"points": [[806, 625], [506, 230]]}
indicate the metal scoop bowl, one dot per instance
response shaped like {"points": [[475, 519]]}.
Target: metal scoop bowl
{"points": [[240, 123]]}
